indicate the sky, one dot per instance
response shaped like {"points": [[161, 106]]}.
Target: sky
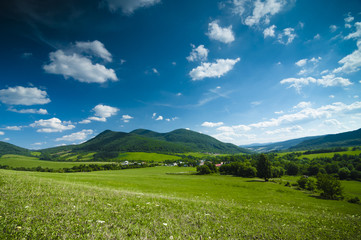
{"points": [[242, 71]]}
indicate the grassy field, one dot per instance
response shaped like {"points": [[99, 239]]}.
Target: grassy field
{"points": [[149, 203], [30, 162], [330, 155]]}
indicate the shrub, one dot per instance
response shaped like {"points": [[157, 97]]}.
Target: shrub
{"points": [[329, 186], [203, 170], [354, 200]]}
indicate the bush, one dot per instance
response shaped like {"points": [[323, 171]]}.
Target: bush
{"points": [[354, 200], [203, 170], [329, 186], [344, 173]]}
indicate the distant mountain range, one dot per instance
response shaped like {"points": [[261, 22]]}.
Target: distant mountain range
{"points": [[182, 141], [346, 139], [141, 140]]}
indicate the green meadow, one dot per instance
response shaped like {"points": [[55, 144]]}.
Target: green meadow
{"points": [[31, 162], [168, 203]]}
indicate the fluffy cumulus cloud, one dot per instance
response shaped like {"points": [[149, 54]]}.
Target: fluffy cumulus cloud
{"points": [[129, 6], [211, 70], [269, 32], [77, 136], [326, 81], [101, 113], [256, 12], [104, 111], [2, 133], [96, 48], [285, 124], [78, 67], [52, 125], [218, 33], [301, 62], [352, 62], [31, 110], [199, 53], [212, 124], [23, 96], [126, 118], [287, 36], [308, 113]]}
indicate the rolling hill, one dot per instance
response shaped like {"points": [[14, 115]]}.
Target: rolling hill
{"points": [[141, 140], [346, 139], [7, 148]]}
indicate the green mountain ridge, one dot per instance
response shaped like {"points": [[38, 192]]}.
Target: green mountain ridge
{"points": [[345, 139], [8, 148], [142, 140]]}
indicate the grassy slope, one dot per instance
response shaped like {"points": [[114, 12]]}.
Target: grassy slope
{"points": [[30, 162], [148, 203]]}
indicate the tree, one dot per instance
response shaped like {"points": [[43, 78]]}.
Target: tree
{"points": [[264, 167], [204, 169], [292, 169], [329, 186]]}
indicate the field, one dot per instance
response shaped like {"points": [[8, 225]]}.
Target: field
{"points": [[167, 203], [31, 162]]}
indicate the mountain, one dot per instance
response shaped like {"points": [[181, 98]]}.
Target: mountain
{"points": [[142, 140], [346, 139], [277, 146], [195, 141], [7, 148]]}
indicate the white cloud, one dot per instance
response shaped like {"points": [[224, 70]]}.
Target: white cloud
{"points": [[105, 111], [269, 32], [352, 62], [287, 36], [262, 11], [78, 136], [159, 118], [78, 67], [13, 128], [98, 119], [211, 70], [51, 125], [357, 33], [279, 112], [309, 113], [331, 96], [333, 28], [155, 71], [129, 6], [199, 53], [285, 130], [6, 139], [303, 105], [2, 133], [317, 36], [85, 121], [35, 111], [154, 115], [301, 62], [326, 81], [126, 118], [218, 33], [349, 18], [23, 96], [212, 124], [96, 48]]}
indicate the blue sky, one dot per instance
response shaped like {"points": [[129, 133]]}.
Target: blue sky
{"points": [[242, 71]]}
